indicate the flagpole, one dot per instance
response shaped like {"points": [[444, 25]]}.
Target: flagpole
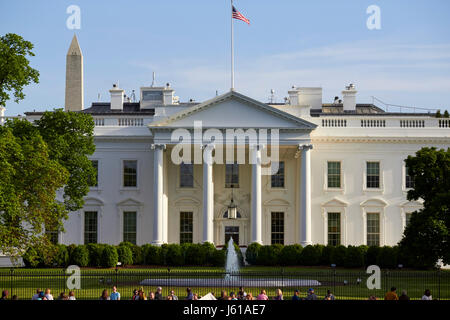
{"points": [[232, 49]]}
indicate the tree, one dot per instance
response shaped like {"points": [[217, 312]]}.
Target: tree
{"points": [[446, 115], [29, 180], [15, 71], [427, 237]]}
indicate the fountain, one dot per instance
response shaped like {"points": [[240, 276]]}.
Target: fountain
{"points": [[232, 277]]}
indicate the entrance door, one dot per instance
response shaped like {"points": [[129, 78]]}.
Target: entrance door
{"points": [[232, 232]]}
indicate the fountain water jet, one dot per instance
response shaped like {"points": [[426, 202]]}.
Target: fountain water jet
{"points": [[232, 261]]}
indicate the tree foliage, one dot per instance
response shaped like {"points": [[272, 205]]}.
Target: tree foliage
{"points": [[427, 236], [15, 71]]}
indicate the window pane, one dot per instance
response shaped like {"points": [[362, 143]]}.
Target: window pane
{"points": [[373, 175], [334, 174], [409, 182], [90, 227], [186, 227], [186, 175], [232, 175], [95, 165], [373, 229], [129, 226], [334, 228], [129, 173], [278, 227], [278, 178]]}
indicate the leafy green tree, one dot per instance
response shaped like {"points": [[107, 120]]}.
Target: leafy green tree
{"points": [[427, 236], [446, 115], [15, 71]]}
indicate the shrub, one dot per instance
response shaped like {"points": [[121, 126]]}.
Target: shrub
{"points": [[310, 256], [269, 255], [338, 255], [80, 256], [173, 255], [152, 254], [109, 257], [95, 254], [371, 255], [387, 257], [325, 258], [207, 251], [218, 258], [290, 255], [193, 254], [61, 257], [354, 257], [251, 254], [125, 255], [136, 251], [31, 258], [364, 249]]}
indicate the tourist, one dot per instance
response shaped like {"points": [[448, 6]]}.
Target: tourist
{"points": [[427, 295], [262, 295], [232, 296], [372, 297], [278, 295], [172, 294], [311, 294], [296, 295], [158, 294], [404, 296], [169, 297], [241, 294], [249, 296], [105, 295], [223, 295], [195, 296], [329, 296], [141, 295], [14, 297], [48, 295], [115, 295], [135, 295], [42, 296], [391, 295], [63, 296], [189, 296], [72, 295], [36, 296], [5, 294], [151, 295]]}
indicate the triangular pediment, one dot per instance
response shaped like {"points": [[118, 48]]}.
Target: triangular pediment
{"points": [[130, 202], [233, 110], [374, 202], [335, 203]]}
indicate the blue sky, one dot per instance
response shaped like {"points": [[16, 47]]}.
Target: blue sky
{"points": [[289, 42]]}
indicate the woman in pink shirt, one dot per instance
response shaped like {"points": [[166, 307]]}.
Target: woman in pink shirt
{"points": [[262, 295]]}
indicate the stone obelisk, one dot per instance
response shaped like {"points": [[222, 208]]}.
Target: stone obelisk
{"points": [[74, 78]]}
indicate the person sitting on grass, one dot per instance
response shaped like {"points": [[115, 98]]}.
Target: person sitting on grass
{"points": [[105, 295], [296, 295], [115, 295], [311, 294], [262, 295], [329, 296], [391, 295]]}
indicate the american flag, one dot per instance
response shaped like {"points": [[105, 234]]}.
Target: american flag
{"points": [[239, 16]]}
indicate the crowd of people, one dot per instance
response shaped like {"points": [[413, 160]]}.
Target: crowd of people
{"points": [[139, 294]]}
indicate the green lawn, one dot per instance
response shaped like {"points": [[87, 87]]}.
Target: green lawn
{"points": [[343, 283]]}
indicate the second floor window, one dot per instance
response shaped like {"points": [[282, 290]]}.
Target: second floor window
{"points": [[373, 175], [232, 175], [278, 178], [186, 175], [334, 174], [130, 173]]}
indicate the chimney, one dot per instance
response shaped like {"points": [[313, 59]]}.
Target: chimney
{"points": [[306, 99], [116, 98], [167, 95], [349, 97]]}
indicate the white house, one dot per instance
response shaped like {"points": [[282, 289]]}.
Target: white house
{"points": [[341, 175]]}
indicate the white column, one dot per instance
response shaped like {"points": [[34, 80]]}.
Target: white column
{"points": [[158, 173], [208, 195], [305, 196], [256, 195]]}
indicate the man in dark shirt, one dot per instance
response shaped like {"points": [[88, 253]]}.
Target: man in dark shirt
{"points": [[158, 294], [296, 295]]}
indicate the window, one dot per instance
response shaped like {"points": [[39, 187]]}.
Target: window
{"points": [[232, 175], [129, 226], [52, 235], [90, 227], [186, 175], [334, 174], [373, 175], [130, 173], [334, 228], [95, 165], [277, 227], [186, 227], [278, 178], [409, 182], [373, 229], [407, 218]]}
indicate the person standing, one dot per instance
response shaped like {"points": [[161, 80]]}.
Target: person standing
{"points": [[404, 296], [189, 296], [296, 295], [115, 295], [311, 294], [329, 296], [427, 295], [391, 295], [158, 294]]}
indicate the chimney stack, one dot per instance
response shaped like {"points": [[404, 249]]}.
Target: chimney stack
{"points": [[116, 97], [349, 97]]}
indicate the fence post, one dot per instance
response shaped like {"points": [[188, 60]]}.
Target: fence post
{"points": [[11, 282], [117, 271], [439, 284]]}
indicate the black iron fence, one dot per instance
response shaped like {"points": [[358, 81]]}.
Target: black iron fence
{"points": [[344, 285]]}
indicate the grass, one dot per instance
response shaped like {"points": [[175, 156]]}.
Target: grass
{"points": [[344, 283]]}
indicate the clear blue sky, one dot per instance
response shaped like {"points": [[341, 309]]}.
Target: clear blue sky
{"points": [[289, 42]]}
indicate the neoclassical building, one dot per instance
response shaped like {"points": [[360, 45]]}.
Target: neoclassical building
{"points": [[338, 177]]}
